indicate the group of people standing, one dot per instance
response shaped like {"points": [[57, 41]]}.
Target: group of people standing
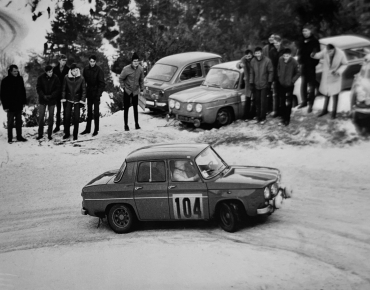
{"points": [[64, 86], [270, 73]]}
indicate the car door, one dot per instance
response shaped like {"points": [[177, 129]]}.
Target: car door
{"points": [[188, 198], [150, 192]]}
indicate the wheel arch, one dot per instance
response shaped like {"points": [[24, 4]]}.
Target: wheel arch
{"points": [[235, 201], [109, 206]]}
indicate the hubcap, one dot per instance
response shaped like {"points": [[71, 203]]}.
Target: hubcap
{"points": [[222, 117], [121, 217]]}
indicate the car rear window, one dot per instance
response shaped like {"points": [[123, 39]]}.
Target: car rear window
{"points": [[162, 72], [357, 53], [126, 173]]}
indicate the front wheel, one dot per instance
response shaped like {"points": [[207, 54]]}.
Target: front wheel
{"points": [[121, 218], [224, 117], [228, 218]]}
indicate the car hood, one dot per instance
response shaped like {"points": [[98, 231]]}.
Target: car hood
{"points": [[202, 94], [102, 178], [238, 177]]}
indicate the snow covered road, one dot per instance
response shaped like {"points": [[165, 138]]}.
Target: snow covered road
{"points": [[319, 240]]}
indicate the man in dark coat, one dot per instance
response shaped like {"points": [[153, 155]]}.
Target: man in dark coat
{"points": [[245, 63], [61, 70], [275, 53], [13, 98], [48, 89], [132, 83], [288, 73], [308, 45], [261, 77], [74, 95], [95, 84]]}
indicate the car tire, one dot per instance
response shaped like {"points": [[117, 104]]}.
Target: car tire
{"points": [[121, 218], [228, 217], [224, 117]]}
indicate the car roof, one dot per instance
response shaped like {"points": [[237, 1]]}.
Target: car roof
{"points": [[346, 41], [228, 65], [166, 151], [184, 58]]}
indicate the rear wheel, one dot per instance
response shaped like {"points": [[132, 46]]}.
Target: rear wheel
{"points": [[228, 217], [121, 218], [224, 117]]}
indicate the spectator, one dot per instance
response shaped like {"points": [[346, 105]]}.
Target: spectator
{"points": [[95, 84], [261, 76], [60, 70], [132, 82], [13, 98], [74, 94], [266, 49], [334, 64], [275, 53], [245, 63], [288, 73], [48, 89], [308, 45]]}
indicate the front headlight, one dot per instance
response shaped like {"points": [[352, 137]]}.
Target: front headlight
{"points": [[274, 189], [177, 105], [198, 108], [267, 192], [171, 104], [189, 107]]}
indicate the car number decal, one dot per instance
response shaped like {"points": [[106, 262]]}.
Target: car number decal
{"points": [[188, 206]]}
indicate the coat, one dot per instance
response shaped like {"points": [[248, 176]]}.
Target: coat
{"points": [[48, 89], [247, 69], [330, 84], [74, 88], [13, 93], [287, 72], [132, 80], [274, 57], [308, 65], [261, 73], [94, 79], [60, 75]]}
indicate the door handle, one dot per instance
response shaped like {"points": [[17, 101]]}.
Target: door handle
{"points": [[138, 187], [171, 186]]}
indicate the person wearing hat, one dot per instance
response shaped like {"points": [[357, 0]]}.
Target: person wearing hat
{"points": [[95, 84], [132, 83], [74, 94], [48, 89]]}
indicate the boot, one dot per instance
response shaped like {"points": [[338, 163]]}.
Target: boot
{"points": [[137, 127], [95, 133], [325, 107], [56, 129], [85, 132], [127, 128]]}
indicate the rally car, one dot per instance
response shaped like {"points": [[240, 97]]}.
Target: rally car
{"points": [[177, 182]]}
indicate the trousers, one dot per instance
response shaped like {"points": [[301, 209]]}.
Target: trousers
{"points": [[42, 109]]}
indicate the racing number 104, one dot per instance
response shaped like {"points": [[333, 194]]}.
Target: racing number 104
{"points": [[188, 207]]}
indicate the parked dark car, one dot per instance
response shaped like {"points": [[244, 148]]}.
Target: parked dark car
{"points": [[360, 99], [177, 182], [176, 73], [355, 48], [219, 100]]}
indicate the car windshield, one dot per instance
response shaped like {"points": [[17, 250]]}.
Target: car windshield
{"points": [[354, 52], [209, 163], [222, 78], [120, 172], [162, 72]]}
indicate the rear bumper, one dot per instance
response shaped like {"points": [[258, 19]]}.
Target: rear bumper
{"points": [[83, 211]]}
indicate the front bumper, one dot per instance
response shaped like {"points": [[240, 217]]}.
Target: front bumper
{"points": [[155, 104], [277, 201], [194, 120]]}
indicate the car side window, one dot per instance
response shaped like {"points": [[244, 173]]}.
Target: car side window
{"points": [[210, 63], [152, 171], [183, 170], [192, 71]]}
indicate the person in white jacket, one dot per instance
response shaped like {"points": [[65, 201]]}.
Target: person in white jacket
{"points": [[334, 64]]}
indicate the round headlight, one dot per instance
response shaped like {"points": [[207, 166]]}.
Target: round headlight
{"points": [[274, 189], [172, 104], [198, 108], [177, 105], [267, 192], [189, 107]]}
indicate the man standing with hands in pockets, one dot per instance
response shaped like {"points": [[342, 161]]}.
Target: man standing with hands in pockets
{"points": [[132, 83]]}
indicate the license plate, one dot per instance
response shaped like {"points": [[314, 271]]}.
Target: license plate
{"points": [[183, 118]]}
